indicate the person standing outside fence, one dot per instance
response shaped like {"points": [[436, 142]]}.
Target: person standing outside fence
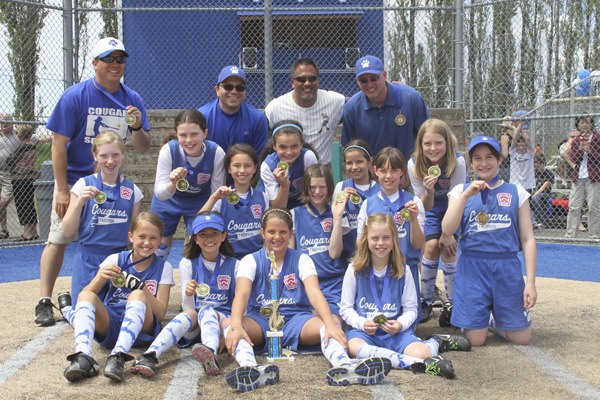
{"points": [[9, 144], [83, 111]]}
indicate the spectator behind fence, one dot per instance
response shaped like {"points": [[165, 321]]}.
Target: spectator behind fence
{"points": [[585, 154], [539, 200], [565, 166], [521, 153]]}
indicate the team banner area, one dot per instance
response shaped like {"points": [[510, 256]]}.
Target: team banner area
{"points": [[524, 72]]}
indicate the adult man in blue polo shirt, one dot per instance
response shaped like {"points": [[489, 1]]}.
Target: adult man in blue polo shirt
{"points": [[229, 118], [383, 113]]}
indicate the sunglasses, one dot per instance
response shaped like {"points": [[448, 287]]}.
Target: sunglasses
{"points": [[229, 87], [373, 78], [111, 59], [303, 79]]}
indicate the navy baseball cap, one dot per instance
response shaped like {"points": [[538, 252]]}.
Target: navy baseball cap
{"points": [[490, 141], [231, 70], [368, 65], [204, 221]]}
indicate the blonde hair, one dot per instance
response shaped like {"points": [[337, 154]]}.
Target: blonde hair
{"points": [[362, 257], [422, 164], [107, 137]]}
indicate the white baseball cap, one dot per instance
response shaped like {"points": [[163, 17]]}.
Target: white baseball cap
{"points": [[106, 46]]}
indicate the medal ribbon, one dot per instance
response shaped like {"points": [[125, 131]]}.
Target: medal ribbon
{"points": [[484, 192], [324, 214], [109, 95], [363, 195], [391, 206], [188, 166], [380, 300], [132, 263], [117, 188], [398, 96], [213, 278], [242, 202]]}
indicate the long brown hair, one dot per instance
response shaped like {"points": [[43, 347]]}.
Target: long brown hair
{"points": [[422, 163], [191, 249], [316, 171]]}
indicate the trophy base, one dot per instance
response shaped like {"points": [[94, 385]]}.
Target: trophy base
{"points": [[276, 352]]}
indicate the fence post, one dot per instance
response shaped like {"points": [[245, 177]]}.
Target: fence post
{"points": [[44, 190], [459, 42], [68, 42], [268, 51]]}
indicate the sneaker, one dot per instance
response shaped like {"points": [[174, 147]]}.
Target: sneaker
{"points": [[115, 363], [446, 315], [452, 342], [207, 358], [82, 366], [365, 372], [434, 366], [43, 313], [426, 310], [64, 300], [145, 365], [246, 379], [437, 298]]}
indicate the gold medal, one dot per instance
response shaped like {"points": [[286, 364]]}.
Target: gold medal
{"points": [[434, 171], [118, 281], [233, 198], [266, 311], [405, 215], [182, 185], [355, 199], [400, 120], [203, 290], [100, 197], [380, 319], [482, 218], [340, 197], [282, 165], [130, 119]]}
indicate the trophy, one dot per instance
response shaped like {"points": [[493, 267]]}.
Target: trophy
{"points": [[276, 321]]}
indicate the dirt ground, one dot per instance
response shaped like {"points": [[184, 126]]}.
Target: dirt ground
{"points": [[565, 329]]}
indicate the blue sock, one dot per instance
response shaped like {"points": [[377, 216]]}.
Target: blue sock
{"points": [[133, 320], [171, 334], [429, 271], [69, 313], [244, 353], [449, 270], [399, 361], [334, 352], [210, 332], [84, 325]]}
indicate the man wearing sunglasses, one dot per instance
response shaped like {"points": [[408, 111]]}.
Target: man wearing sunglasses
{"points": [[230, 119], [83, 111], [383, 113], [319, 111]]}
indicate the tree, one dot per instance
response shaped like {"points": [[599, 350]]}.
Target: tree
{"points": [[111, 22]]}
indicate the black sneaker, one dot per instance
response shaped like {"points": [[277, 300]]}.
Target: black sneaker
{"points": [[437, 365], [43, 313], [115, 364], [82, 366], [426, 310], [437, 301], [64, 300], [207, 358], [365, 372], [246, 379], [446, 315], [145, 365], [452, 342]]}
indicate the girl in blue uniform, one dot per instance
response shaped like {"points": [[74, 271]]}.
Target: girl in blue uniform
{"points": [[298, 288], [282, 170], [189, 169], [207, 261], [494, 220], [405, 209], [101, 222], [379, 304], [358, 160], [243, 210], [318, 230], [434, 169], [125, 316]]}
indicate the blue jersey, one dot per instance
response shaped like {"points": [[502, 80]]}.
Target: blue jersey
{"points": [[222, 288], [296, 173], [292, 296], [242, 222], [365, 301], [106, 226], [84, 111]]}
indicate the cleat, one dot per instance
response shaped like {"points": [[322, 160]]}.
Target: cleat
{"points": [[365, 372], [437, 298], [43, 313], [145, 365], [64, 300], [82, 366], [426, 310], [207, 358], [452, 342], [246, 379], [437, 366], [445, 316], [115, 363]]}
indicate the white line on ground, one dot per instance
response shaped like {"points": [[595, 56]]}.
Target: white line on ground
{"points": [[184, 384], [386, 390], [572, 382], [30, 351]]}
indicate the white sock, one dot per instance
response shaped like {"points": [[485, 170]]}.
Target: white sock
{"points": [[399, 361], [335, 353], [133, 320], [429, 271], [171, 334], [449, 270], [244, 353], [84, 325], [69, 313], [210, 333], [433, 345], [163, 251]]}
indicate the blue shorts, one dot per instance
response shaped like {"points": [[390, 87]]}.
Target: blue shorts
{"points": [[489, 284], [291, 329], [433, 223], [397, 342], [114, 327], [170, 216], [414, 270]]}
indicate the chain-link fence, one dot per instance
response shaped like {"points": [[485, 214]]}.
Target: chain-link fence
{"points": [[490, 58]]}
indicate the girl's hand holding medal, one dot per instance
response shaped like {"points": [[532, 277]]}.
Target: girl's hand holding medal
{"points": [[177, 178], [413, 211], [88, 192], [190, 288]]}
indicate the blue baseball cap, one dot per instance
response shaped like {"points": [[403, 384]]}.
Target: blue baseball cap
{"points": [[490, 141], [231, 70], [521, 114], [368, 65], [203, 221]]}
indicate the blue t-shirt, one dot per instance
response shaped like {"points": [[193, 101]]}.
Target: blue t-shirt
{"points": [[84, 111]]}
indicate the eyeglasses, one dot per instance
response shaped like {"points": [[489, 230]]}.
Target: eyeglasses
{"points": [[303, 79], [111, 59], [229, 87], [373, 78]]}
